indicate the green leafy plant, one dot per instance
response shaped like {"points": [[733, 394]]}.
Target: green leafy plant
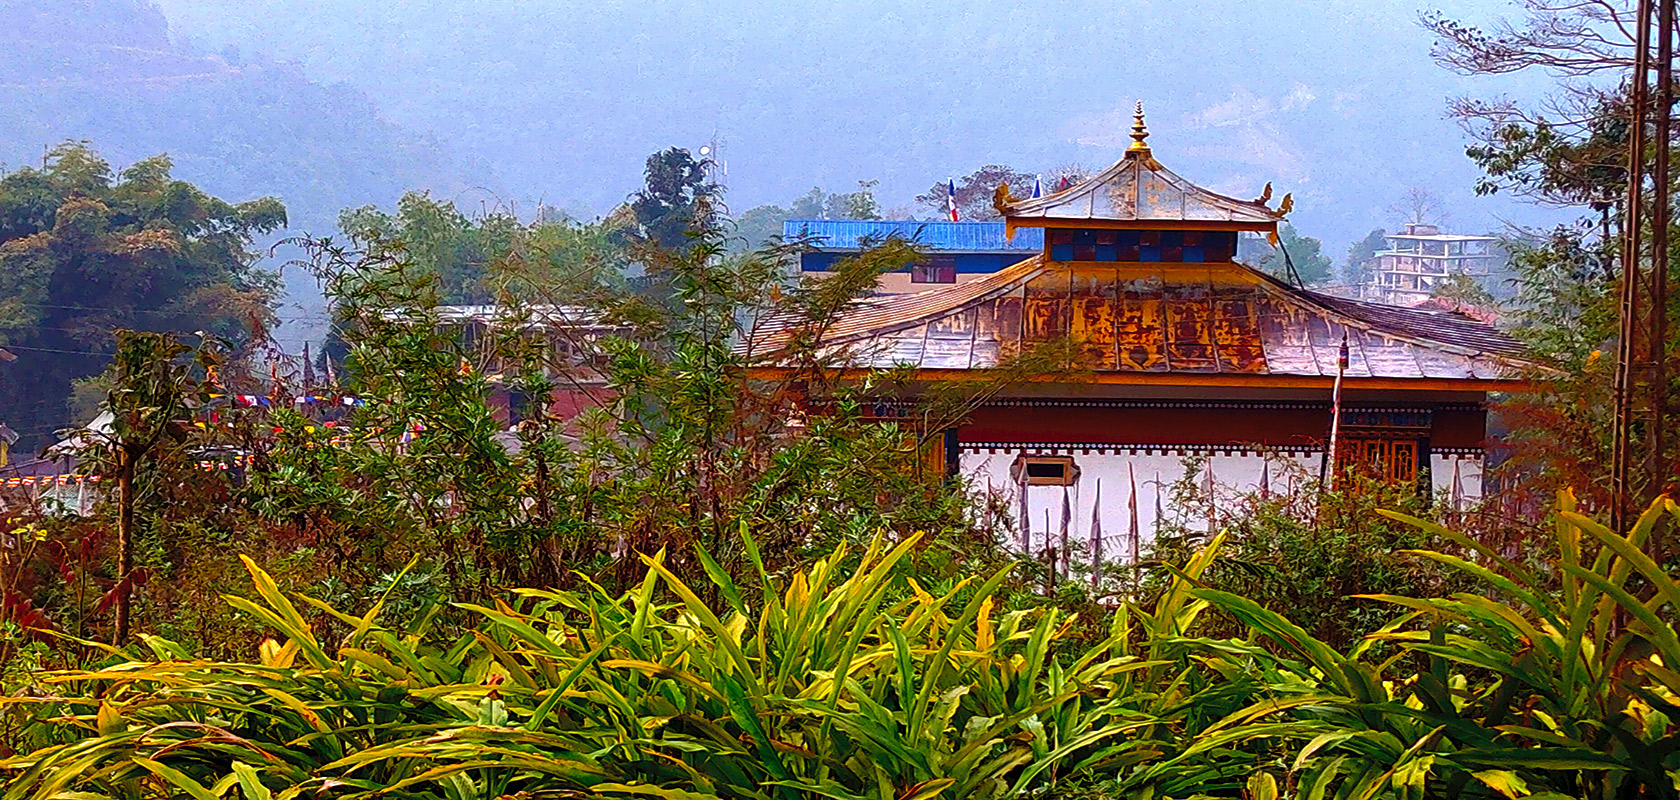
{"points": [[1545, 684], [827, 684]]}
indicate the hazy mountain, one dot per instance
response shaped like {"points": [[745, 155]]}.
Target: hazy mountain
{"points": [[240, 126]]}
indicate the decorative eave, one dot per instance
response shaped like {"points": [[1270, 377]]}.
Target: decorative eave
{"points": [[1216, 324], [1137, 192]]}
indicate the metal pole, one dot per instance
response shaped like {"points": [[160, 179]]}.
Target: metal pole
{"points": [[1656, 460], [1336, 407], [1626, 351]]}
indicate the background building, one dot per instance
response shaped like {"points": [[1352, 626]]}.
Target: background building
{"points": [[1422, 258], [958, 252]]}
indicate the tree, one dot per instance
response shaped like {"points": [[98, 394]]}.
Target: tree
{"points": [[440, 239], [149, 404], [1311, 265], [1566, 313], [689, 447], [467, 253], [1568, 150], [860, 204], [678, 197], [975, 190], [810, 205], [758, 226], [1070, 173], [1419, 206], [1463, 290], [1356, 270], [83, 253], [1571, 148]]}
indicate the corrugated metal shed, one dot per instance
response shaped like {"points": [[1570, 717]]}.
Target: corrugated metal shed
{"points": [[978, 237]]}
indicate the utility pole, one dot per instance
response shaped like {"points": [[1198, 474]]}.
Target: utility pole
{"points": [[1656, 460], [1627, 351]]}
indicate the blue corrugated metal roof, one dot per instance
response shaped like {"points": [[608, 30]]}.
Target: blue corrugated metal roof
{"points": [[844, 234]]}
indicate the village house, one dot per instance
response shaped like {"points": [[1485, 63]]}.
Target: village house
{"points": [[1182, 353], [570, 335], [956, 252]]}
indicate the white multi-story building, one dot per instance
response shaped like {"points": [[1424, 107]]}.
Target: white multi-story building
{"points": [[1423, 257]]}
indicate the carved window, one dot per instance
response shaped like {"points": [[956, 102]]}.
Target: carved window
{"points": [[1384, 458]]}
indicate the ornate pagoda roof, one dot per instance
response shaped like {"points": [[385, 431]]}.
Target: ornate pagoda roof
{"points": [[1184, 321], [1138, 192], [1132, 321]]}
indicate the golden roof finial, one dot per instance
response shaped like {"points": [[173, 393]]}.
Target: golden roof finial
{"points": [[1139, 132]]}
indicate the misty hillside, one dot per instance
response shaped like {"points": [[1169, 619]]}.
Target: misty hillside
{"points": [[239, 126]]}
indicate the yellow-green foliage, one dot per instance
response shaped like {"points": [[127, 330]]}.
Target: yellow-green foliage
{"points": [[823, 687], [841, 682]]}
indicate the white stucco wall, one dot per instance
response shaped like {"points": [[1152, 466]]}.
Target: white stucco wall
{"points": [[1469, 470], [1110, 473]]}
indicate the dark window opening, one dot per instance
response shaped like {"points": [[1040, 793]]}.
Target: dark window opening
{"points": [[1046, 470], [936, 269], [518, 407], [1040, 469]]}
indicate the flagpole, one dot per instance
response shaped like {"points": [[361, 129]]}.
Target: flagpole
{"points": [[1207, 485], [1336, 408], [1096, 537], [1051, 551], [1026, 518], [1131, 476], [1159, 513], [1065, 563], [1457, 490]]}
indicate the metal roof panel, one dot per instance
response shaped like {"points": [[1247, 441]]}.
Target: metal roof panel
{"points": [[849, 234]]}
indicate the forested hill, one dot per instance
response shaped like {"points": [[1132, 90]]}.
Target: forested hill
{"points": [[238, 125]]}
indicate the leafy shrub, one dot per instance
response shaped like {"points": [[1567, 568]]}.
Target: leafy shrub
{"points": [[1314, 552]]}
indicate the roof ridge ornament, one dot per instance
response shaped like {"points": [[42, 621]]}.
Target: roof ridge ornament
{"points": [[1002, 198], [1140, 132]]}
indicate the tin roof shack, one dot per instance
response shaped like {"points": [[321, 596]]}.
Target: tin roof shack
{"points": [[1180, 351], [957, 252], [569, 335]]}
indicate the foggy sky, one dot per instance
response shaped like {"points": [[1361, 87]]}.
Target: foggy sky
{"points": [[1336, 102]]}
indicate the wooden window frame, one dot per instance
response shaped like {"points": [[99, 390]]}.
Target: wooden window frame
{"points": [[1390, 456], [1021, 470]]}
